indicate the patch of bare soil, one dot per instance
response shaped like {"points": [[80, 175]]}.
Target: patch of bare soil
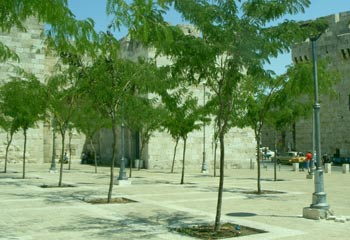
{"points": [[56, 186], [228, 230], [262, 192], [105, 200]]}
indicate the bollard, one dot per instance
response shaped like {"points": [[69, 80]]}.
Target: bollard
{"points": [[345, 168], [252, 164], [328, 168], [296, 167]]}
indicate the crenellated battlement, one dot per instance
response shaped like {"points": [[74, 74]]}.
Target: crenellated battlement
{"points": [[334, 43]]}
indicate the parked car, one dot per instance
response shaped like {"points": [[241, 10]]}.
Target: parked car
{"points": [[266, 153], [286, 157]]}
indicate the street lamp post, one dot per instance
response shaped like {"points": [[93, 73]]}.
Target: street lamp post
{"points": [[122, 173], [53, 160], [319, 200], [313, 160], [204, 165]]}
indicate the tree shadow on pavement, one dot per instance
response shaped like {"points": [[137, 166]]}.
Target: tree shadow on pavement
{"points": [[249, 214], [132, 226], [63, 195]]}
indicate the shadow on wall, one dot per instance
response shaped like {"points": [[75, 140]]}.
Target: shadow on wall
{"points": [[103, 145]]}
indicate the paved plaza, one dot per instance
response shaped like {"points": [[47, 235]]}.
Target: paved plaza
{"points": [[29, 211]]}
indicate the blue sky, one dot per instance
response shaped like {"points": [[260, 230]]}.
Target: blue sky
{"points": [[95, 9]]}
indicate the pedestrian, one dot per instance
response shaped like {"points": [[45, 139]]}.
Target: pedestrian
{"points": [[308, 159], [83, 158], [65, 158]]}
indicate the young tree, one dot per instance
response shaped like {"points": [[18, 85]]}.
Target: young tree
{"points": [[88, 120], [182, 118], [10, 126], [233, 41], [63, 95], [143, 116], [260, 98], [109, 82], [170, 123], [282, 100], [23, 99], [295, 98]]}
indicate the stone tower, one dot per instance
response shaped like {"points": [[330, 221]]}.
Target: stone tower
{"points": [[335, 111], [30, 48]]}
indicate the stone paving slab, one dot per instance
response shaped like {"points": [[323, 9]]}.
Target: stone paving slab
{"points": [[29, 211]]}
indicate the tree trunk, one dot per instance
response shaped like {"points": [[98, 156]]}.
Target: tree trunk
{"points": [[94, 151], [294, 137], [137, 149], [275, 157], [130, 167], [183, 162], [63, 134], [130, 156], [9, 141], [99, 136], [139, 166], [24, 153], [215, 148], [221, 183], [131, 163], [70, 149], [114, 156], [172, 165], [257, 136], [283, 135]]}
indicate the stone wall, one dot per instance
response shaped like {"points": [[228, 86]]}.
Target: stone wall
{"points": [[239, 143], [30, 48], [239, 150]]}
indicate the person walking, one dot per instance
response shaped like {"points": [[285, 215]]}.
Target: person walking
{"points": [[308, 159], [65, 158]]}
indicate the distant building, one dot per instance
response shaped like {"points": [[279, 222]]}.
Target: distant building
{"points": [[334, 112]]}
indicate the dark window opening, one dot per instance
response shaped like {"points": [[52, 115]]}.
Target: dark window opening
{"points": [[343, 53]]}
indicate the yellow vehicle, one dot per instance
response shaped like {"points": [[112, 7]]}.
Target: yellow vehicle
{"points": [[297, 159], [290, 157]]}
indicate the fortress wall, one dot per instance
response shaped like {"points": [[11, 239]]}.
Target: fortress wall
{"points": [[335, 110], [30, 48]]}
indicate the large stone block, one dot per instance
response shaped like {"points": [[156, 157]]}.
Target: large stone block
{"points": [[328, 168], [345, 168], [314, 213]]}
